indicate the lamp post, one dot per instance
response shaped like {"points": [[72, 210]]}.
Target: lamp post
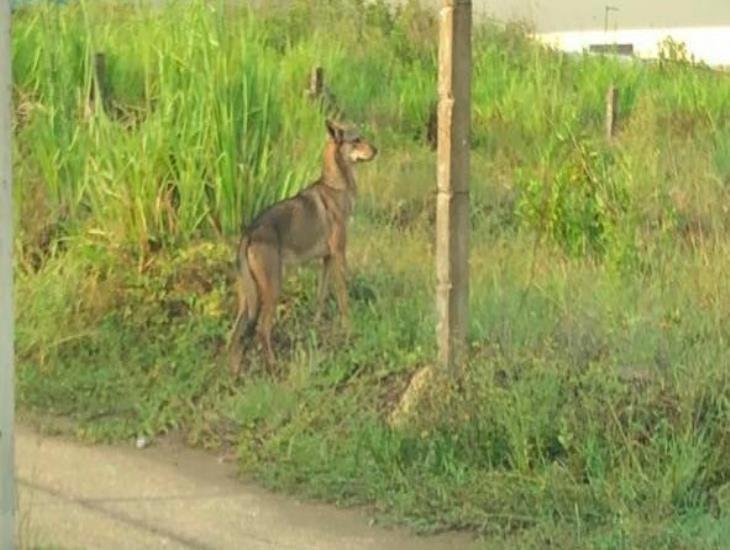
{"points": [[7, 400], [606, 11]]}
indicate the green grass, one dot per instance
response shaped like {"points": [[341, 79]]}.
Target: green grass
{"points": [[594, 406]]}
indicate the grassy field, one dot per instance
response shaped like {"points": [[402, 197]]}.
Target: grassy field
{"points": [[594, 410]]}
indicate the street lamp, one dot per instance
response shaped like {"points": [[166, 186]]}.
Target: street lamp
{"points": [[606, 11], [7, 454]]}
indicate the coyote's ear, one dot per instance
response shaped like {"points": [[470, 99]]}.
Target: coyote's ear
{"points": [[333, 130]]}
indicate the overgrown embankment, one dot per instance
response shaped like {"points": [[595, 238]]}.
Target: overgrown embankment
{"points": [[595, 406]]}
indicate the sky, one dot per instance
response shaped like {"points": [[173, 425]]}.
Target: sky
{"points": [[564, 15], [569, 15]]}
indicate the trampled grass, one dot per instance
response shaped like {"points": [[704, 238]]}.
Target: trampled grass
{"points": [[594, 407]]}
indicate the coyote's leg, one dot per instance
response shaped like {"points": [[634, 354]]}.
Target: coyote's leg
{"points": [[337, 247], [324, 279], [265, 264], [340, 273], [235, 343]]}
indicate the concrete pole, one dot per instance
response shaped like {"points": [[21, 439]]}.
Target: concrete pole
{"points": [[452, 202], [7, 399]]}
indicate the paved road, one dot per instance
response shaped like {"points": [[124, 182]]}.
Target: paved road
{"points": [[167, 496]]}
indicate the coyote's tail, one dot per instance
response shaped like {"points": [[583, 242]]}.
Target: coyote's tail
{"points": [[248, 308]]}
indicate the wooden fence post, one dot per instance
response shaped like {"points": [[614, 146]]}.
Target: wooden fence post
{"points": [[611, 111], [316, 82], [98, 93], [452, 203], [322, 95]]}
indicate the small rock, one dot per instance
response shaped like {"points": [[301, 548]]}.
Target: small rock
{"points": [[406, 407], [142, 442]]}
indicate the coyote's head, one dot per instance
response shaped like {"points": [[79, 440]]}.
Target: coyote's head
{"points": [[351, 146]]}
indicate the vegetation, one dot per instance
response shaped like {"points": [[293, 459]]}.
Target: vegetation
{"points": [[595, 406]]}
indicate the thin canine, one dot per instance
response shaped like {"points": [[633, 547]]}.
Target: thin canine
{"points": [[310, 225]]}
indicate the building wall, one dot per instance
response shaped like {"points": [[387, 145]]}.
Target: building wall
{"points": [[710, 45], [573, 25]]}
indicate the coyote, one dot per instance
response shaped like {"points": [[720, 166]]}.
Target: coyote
{"points": [[310, 225]]}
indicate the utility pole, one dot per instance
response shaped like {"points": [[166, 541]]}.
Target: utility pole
{"points": [[606, 11], [7, 398], [452, 202]]}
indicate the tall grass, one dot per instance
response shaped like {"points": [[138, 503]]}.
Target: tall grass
{"points": [[209, 121], [593, 411]]}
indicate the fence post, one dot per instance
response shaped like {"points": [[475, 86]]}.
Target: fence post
{"points": [[452, 202], [316, 82], [322, 95], [611, 111], [7, 369], [98, 93]]}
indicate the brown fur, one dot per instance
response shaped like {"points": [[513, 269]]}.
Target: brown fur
{"points": [[310, 225]]}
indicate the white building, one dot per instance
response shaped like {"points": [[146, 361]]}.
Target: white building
{"points": [[710, 45], [637, 25]]}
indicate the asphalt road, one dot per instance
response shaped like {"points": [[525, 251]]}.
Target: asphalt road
{"points": [[168, 496]]}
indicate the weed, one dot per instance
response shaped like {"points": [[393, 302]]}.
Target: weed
{"points": [[594, 408]]}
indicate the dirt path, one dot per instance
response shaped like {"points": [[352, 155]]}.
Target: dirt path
{"points": [[168, 496]]}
